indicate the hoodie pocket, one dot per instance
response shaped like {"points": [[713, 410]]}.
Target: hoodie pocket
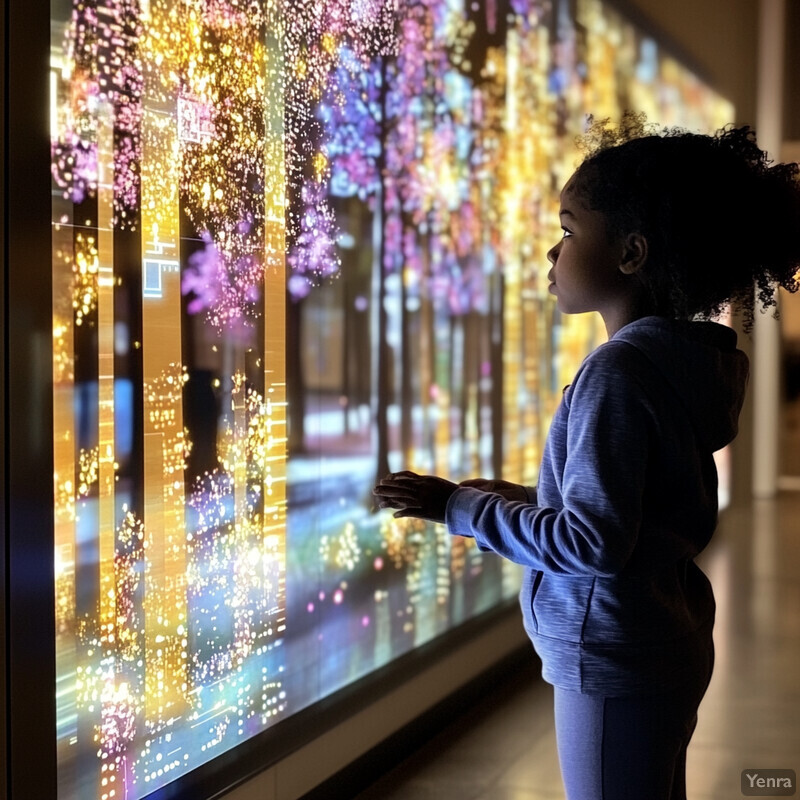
{"points": [[530, 586]]}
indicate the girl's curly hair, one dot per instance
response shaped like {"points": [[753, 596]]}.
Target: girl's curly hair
{"points": [[722, 222]]}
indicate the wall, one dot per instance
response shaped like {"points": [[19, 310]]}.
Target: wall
{"points": [[707, 32], [790, 304], [792, 83]]}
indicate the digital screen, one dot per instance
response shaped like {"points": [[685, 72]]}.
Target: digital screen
{"points": [[297, 246]]}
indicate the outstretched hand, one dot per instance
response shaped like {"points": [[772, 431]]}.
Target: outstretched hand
{"points": [[412, 495]]}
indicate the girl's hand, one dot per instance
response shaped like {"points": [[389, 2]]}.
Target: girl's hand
{"points": [[506, 489], [423, 496]]}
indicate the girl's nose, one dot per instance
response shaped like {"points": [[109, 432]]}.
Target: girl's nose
{"points": [[552, 253]]}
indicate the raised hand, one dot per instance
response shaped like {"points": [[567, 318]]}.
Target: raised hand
{"points": [[423, 496]]}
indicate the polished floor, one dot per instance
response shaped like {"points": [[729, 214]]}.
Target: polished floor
{"points": [[504, 748]]}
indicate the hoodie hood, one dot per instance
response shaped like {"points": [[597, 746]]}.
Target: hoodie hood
{"points": [[702, 364]]}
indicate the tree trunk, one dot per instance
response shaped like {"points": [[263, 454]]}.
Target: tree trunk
{"points": [[347, 305], [406, 385], [496, 334], [379, 316], [295, 385]]}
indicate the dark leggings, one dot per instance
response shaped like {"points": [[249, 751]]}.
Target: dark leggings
{"points": [[625, 748]]}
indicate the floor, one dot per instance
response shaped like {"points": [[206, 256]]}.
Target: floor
{"points": [[504, 749]]}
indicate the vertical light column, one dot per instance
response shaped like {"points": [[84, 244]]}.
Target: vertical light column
{"points": [[537, 110], [531, 410], [442, 367], [766, 355], [239, 426], [165, 604], [274, 525], [512, 339], [106, 512], [105, 377], [512, 306], [65, 471], [601, 53]]}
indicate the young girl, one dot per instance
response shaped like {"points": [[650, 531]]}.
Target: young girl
{"points": [[661, 231]]}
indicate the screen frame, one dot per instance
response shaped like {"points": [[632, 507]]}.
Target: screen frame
{"points": [[27, 485]]}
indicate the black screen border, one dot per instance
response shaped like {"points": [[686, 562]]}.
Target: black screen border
{"points": [[27, 486]]}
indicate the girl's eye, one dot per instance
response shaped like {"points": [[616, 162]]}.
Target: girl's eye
{"points": [[565, 233]]}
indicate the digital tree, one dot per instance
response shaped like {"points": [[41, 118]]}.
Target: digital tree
{"points": [[395, 141]]}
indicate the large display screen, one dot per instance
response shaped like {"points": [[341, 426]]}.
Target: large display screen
{"points": [[297, 244]]}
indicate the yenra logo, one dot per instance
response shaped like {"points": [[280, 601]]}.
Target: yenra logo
{"points": [[768, 782]]}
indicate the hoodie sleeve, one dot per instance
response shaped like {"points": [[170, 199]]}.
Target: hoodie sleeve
{"points": [[604, 443]]}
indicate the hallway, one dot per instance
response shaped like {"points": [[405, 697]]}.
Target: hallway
{"points": [[504, 749]]}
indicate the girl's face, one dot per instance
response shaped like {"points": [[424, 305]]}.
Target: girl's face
{"points": [[585, 273]]}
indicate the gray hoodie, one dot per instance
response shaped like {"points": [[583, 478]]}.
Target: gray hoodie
{"points": [[627, 497]]}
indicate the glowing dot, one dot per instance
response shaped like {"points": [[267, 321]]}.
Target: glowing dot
{"points": [[338, 596], [378, 563], [365, 621], [310, 608]]}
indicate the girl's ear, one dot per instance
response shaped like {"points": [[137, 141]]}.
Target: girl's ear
{"points": [[634, 253]]}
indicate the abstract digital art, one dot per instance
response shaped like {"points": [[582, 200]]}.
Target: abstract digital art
{"points": [[297, 244]]}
